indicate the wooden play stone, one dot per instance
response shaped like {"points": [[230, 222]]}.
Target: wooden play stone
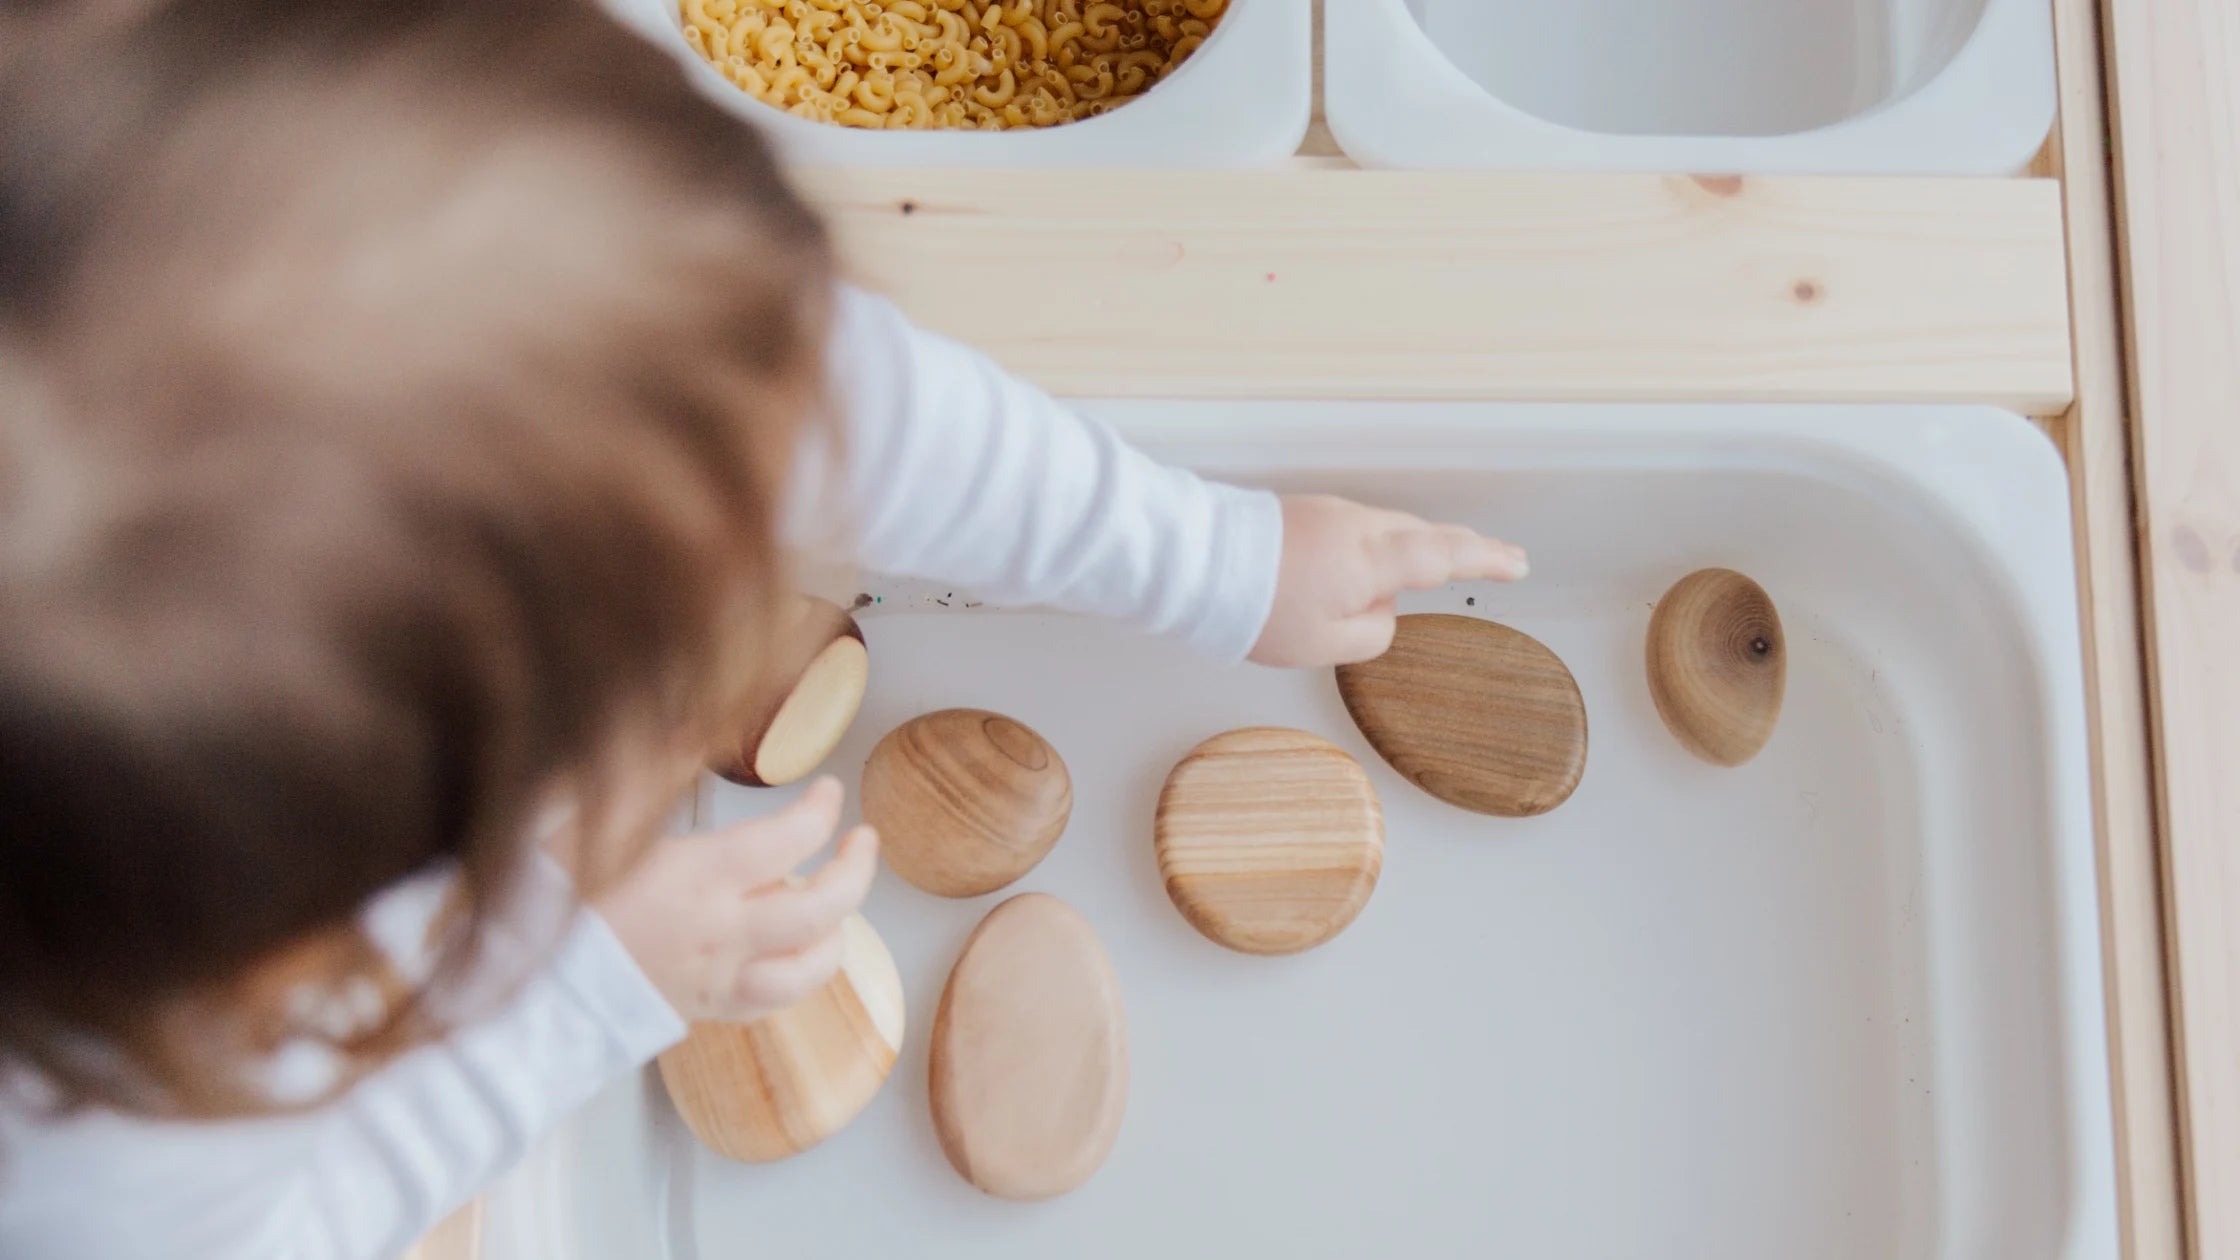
{"points": [[1269, 840], [792, 728], [1473, 712], [1718, 667], [1029, 1071], [763, 1091], [965, 801]]}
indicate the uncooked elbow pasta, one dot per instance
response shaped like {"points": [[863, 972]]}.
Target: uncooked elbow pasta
{"points": [[974, 64]]}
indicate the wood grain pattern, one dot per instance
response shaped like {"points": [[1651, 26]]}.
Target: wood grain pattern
{"points": [[2175, 68], [1718, 666], [2095, 436], [1269, 840], [1029, 1070], [763, 1091], [965, 801], [1476, 713], [1254, 284]]}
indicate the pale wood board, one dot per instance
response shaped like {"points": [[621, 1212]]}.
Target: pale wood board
{"points": [[2094, 436], [1325, 283], [2174, 70]]}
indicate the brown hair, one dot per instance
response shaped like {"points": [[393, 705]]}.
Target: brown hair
{"points": [[394, 398]]}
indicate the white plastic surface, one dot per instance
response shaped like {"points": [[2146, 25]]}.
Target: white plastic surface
{"points": [[1244, 98], [1842, 1002], [1705, 86]]}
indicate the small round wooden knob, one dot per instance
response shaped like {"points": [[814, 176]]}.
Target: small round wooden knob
{"points": [[790, 732], [1717, 665], [1269, 840], [1473, 712], [763, 1091], [965, 801], [1029, 1069]]}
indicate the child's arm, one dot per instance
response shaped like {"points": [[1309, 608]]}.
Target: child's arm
{"points": [[706, 927], [956, 471]]}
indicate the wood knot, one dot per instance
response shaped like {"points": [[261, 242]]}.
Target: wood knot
{"points": [[909, 208], [1807, 291], [1719, 185]]}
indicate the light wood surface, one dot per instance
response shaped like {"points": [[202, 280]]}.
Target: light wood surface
{"points": [[965, 801], [1718, 666], [1029, 1069], [774, 1088], [1269, 840], [793, 730], [2175, 67], [1478, 714], [1352, 284], [2095, 436]]}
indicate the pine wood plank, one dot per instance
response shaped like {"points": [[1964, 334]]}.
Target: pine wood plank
{"points": [[1330, 283], [2174, 67]]}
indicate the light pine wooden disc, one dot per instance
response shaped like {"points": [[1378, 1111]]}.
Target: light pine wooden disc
{"points": [[763, 1091], [1029, 1069], [965, 801], [1718, 667], [792, 729], [1473, 712], [1269, 840]]}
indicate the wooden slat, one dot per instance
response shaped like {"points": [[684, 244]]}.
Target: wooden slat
{"points": [[1352, 284], [2175, 71], [2095, 436]]}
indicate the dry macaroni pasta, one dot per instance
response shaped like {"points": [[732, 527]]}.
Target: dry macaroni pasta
{"points": [[981, 64]]}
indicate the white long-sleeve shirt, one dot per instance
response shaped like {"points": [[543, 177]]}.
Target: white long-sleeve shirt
{"points": [[953, 471]]}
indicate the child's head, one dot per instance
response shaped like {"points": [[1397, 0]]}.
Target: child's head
{"points": [[394, 396]]}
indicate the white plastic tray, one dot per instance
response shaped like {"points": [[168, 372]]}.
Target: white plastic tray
{"points": [[1857, 86], [1244, 98], [1841, 1002]]}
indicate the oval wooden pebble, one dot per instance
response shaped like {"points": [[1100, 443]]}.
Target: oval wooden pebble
{"points": [[790, 732], [965, 801], [1473, 712], [1269, 840], [763, 1091], [1029, 1068], [1718, 667]]}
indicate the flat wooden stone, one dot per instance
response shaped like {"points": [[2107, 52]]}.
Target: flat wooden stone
{"points": [[965, 801], [763, 1091], [1473, 712], [1029, 1071], [1718, 666], [791, 729], [1269, 840]]}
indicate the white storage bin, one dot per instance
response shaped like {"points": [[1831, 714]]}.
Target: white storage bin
{"points": [[1843, 1001], [1726, 86], [1243, 98]]}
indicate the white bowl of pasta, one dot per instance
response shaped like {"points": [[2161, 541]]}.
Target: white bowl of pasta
{"points": [[1002, 82], [1853, 86]]}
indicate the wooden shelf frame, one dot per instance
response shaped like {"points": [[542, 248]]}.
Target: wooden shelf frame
{"points": [[1321, 282]]}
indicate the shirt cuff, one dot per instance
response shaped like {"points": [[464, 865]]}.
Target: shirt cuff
{"points": [[1247, 553], [593, 965]]}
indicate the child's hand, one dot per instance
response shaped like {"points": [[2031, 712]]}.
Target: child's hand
{"points": [[718, 925], [1343, 564]]}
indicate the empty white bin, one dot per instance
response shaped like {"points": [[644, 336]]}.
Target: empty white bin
{"points": [[1861, 86], [1242, 99]]}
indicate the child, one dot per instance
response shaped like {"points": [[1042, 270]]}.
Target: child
{"points": [[403, 406]]}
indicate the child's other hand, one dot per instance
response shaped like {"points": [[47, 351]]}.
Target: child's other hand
{"points": [[1344, 563], [718, 925]]}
